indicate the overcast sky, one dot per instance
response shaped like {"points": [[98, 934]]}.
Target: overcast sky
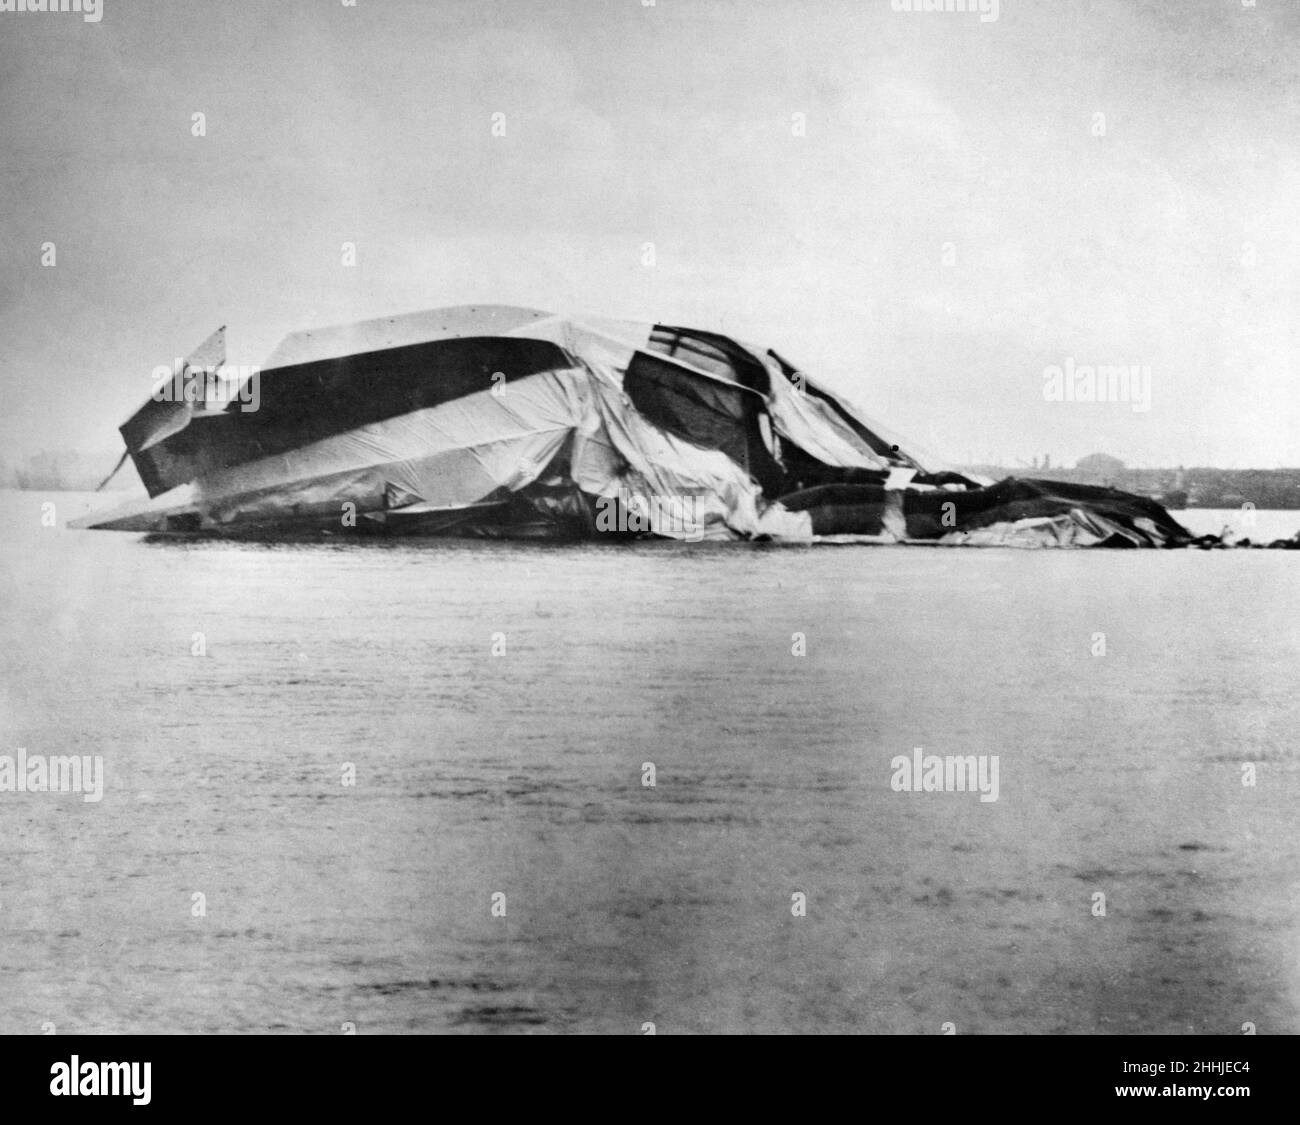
{"points": [[1165, 236]]}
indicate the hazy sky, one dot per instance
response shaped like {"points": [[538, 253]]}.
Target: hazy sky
{"points": [[1170, 240]]}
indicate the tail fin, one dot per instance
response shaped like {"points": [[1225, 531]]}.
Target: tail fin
{"points": [[168, 412]]}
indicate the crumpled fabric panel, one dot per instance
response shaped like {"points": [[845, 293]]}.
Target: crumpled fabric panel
{"points": [[454, 453], [1076, 529], [721, 496], [815, 427]]}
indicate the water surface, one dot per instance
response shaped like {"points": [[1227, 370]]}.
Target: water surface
{"points": [[521, 774]]}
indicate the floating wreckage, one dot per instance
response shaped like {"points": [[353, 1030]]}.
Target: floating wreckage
{"points": [[494, 421]]}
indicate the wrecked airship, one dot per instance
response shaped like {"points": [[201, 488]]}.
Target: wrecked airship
{"points": [[494, 421]]}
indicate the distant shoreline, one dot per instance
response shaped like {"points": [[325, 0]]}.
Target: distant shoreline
{"points": [[1215, 502]]}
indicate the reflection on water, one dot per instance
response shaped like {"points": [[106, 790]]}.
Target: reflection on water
{"points": [[520, 775]]}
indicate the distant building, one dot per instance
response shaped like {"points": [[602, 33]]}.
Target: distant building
{"points": [[1100, 468]]}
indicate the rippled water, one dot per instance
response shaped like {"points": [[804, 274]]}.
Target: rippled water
{"points": [[521, 774]]}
